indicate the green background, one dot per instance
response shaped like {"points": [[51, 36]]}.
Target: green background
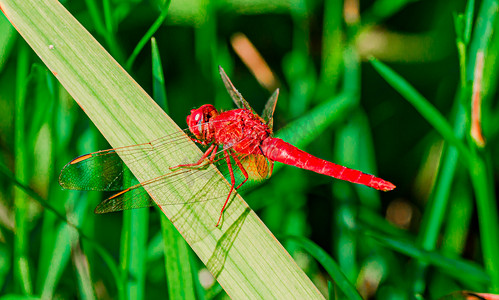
{"points": [[434, 234]]}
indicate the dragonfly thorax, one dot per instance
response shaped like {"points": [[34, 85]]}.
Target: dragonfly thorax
{"points": [[239, 129]]}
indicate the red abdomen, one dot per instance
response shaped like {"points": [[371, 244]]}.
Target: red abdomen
{"points": [[278, 150]]}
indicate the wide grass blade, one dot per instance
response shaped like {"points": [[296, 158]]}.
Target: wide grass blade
{"points": [[126, 115]]}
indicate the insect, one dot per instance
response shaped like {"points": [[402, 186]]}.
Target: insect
{"points": [[238, 138]]}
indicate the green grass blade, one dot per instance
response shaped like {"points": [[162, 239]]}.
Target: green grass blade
{"points": [[109, 37], [481, 172], [47, 205], [66, 237], [126, 115], [329, 264], [19, 297], [7, 39], [150, 32], [5, 262], [438, 205], [468, 21], [178, 267], [332, 45], [458, 225], [383, 9], [424, 107], [133, 252], [21, 201], [134, 248], [488, 218], [83, 273], [314, 122], [158, 83], [482, 34], [108, 16], [457, 268]]}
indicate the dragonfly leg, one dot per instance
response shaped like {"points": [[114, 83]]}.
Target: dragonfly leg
{"points": [[232, 181], [243, 170], [205, 155], [199, 141]]}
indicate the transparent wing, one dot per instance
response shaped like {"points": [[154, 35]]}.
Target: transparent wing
{"points": [[137, 196], [233, 92], [105, 171], [268, 111]]}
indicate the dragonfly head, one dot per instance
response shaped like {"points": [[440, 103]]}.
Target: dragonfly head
{"points": [[198, 120]]}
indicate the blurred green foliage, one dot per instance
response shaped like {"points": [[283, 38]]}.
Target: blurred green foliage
{"points": [[401, 119]]}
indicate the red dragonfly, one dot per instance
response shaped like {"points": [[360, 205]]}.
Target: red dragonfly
{"points": [[245, 142]]}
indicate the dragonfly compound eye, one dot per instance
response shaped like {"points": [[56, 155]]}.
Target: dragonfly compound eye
{"points": [[199, 118]]}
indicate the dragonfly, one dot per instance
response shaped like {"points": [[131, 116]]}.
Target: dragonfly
{"points": [[238, 139]]}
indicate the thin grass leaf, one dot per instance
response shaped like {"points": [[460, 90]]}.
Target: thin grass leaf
{"points": [[383, 9], [487, 217], [108, 16], [125, 115], [7, 39], [148, 35], [178, 267], [458, 225], [438, 205], [332, 111], [346, 153], [330, 289], [109, 261], [463, 24], [19, 297], [5, 262], [206, 42], [83, 273], [482, 34], [58, 238], [134, 233], [468, 21], [21, 202], [94, 11], [329, 264], [308, 127], [332, 45], [460, 269], [158, 83], [481, 173], [65, 238], [134, 252], [424, 107]]}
